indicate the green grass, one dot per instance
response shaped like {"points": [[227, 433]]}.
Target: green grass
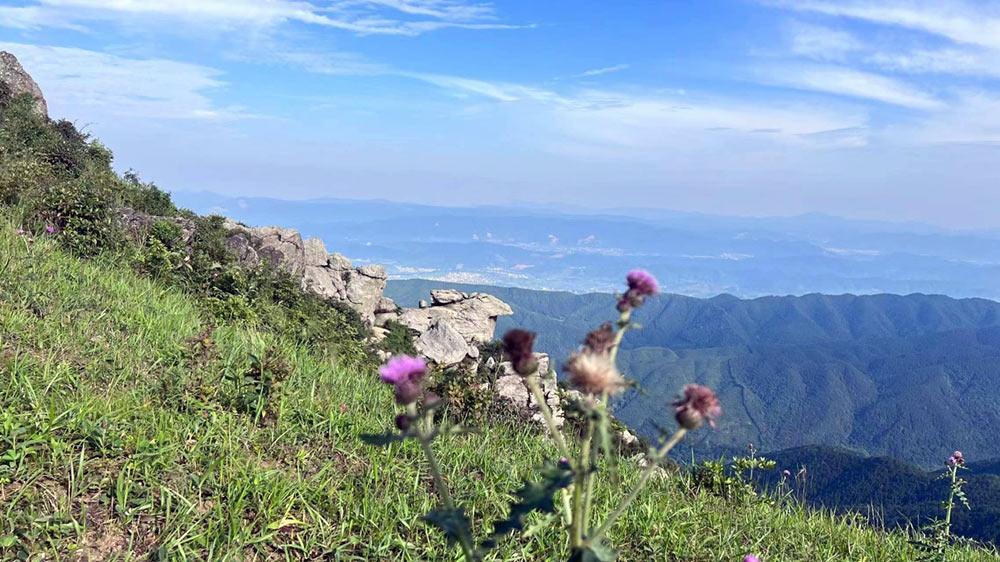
{"points": [[124, 435]]}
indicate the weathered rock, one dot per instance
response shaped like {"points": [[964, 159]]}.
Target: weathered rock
{"points": [[441, 297], [385, 305], [510, 390], [474, 316], [422, 304], [328, 275], [17, 81], [443, 344]]}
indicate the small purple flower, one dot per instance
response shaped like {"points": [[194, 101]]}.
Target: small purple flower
{"points": [[49, 229], [642, 283], [698, 405], [750, 558], [956, 458], [786, 473], [403, 368]]}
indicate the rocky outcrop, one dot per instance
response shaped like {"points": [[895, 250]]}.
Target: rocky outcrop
{"points": [[451, 327], [328, 275], [509, 390], [17, 81]]}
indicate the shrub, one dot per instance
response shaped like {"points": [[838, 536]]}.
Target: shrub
{"points": [[82, 210], [146, 196], [398, 339]]}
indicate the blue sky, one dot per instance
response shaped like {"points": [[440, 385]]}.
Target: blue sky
{"points": [[862, 108]]}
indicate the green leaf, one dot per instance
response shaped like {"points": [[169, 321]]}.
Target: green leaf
{"points": [[453, 522], [382, 439], [533, 496], [593, 553]]}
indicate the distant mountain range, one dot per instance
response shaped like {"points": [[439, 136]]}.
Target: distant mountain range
{"points": [[693, 254], [910, 377], [891, 492]]}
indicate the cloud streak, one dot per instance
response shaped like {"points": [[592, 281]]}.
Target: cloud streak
{"points": [[362, 17]]}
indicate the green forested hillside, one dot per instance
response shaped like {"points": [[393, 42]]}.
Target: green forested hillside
{"points": [[912, 377], [892, 492]]}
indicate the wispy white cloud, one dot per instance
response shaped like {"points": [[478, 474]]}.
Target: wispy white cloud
{"points": [[82, 82], [603, 70], [821, 43], [363, 17], [976, 23], [853, 83]]}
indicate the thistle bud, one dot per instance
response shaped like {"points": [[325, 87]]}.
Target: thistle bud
{"points": [[698, 405], [518, 346], [403, 422]]}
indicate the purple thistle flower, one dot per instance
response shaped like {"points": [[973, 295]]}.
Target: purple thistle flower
{"points": [[956, 458], [698, 405], [750, 558], [642, 283], [403, 368]]}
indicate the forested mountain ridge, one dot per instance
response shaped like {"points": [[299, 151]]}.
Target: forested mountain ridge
{"points": [[912, 377]]}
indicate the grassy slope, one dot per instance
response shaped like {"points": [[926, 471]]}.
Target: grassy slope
{"points": [[118, 440]]}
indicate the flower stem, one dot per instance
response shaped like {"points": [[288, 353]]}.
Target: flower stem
{"points": [[468, 547], [624, 322], [531, 382], [951, 501], [653, 463]]}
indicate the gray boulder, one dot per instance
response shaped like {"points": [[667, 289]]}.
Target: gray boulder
{"points": [[474, 315], [509, 390], [17, 81], [442, 344]]}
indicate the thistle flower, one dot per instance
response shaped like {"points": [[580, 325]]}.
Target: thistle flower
{"points": [[518, 345], [594, 373], [698, 404], [956, 459], [600, 340], [750, 558], [641, 284], [403, 368]]}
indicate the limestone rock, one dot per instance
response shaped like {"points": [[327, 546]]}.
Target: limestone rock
{"points": [[474, 316], [443, 344], [17, 81], [510, 390]]}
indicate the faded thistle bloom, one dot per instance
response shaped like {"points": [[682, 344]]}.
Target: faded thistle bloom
{"points": [[601, 340], [594, 373], [698, 405], [641, 284], [404, 373], [518, 345], [956, 459]]}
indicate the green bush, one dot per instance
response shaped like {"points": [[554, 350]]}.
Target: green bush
{"points": [[82, 210], [399, 339]]}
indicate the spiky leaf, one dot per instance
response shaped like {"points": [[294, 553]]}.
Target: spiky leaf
{"points": [[452, 522], [382, 439], [533, 496]]}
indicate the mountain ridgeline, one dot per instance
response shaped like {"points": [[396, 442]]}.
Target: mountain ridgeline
{"points": [[909, 377]]}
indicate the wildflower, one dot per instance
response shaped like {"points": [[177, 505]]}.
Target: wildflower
{"points": [[404, 373], [403, 422], [786, 473], [49, 229], [641, 284], [594, 373], [956, 459], [600, 340], [518, 345], [750, 558], [403, 368], [699, 404]]}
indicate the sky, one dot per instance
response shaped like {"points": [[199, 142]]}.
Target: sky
{"points": [[876, 109]]}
